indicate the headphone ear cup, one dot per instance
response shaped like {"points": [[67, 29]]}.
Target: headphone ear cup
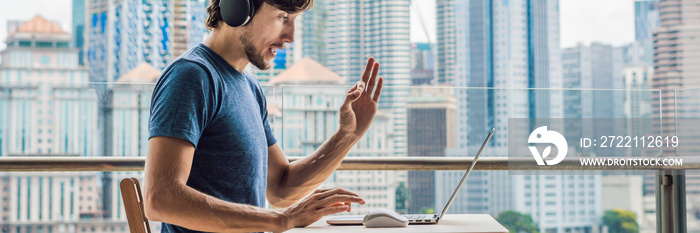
{"points": [[235, 13], [251, 3]]}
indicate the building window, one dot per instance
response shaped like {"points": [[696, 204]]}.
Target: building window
{"points": [[43, 44], [25, 44]]}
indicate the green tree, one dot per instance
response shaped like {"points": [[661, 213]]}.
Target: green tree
{"points": [[516, 222], [426, 210], [402, 198], [620, 221]]}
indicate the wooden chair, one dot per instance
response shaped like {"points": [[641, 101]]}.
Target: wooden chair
{"points": [[133, 204]]}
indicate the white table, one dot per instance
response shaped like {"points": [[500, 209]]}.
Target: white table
{"points": [[453, 223]]}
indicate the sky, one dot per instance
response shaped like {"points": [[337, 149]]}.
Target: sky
{"points": [[581, 21]]}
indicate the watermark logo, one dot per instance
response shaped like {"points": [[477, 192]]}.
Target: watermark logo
{"points": [[542, 135]]}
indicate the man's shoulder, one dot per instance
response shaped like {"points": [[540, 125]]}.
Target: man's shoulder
{"points": [[193, 63], [183, 65], [192, 60], [187, 72], [195, 59]]}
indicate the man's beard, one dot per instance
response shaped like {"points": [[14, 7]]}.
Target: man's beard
{"points": [[252, 52]]}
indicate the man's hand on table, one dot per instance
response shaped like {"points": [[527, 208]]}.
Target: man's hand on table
{"points": [[320, 203]]}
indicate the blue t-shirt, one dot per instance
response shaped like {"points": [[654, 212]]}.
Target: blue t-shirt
{"points": [[204, 100]]}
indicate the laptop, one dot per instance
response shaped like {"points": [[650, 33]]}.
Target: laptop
{"points": [[417, 218]]}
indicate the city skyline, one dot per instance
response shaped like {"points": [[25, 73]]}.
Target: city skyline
{"points": [[511, 48], [616, 19]]}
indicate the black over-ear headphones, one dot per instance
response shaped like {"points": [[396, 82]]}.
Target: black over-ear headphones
{"points": [[237, 13]]}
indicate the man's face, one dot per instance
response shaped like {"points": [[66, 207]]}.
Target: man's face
{"points": [[266, 32]]}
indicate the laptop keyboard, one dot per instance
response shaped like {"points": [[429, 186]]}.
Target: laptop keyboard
{"points": [[418, 216]]}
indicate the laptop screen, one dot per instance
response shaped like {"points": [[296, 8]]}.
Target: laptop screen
{"points": [[464, 177]]}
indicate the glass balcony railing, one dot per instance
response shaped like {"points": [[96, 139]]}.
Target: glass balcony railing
{"points": [[687, 112], [65, 146]]}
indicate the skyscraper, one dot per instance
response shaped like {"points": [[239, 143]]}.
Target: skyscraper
{"points": [[42, 117], [313, 36], [188, 24], [446, 42], [646, 19], [505, 44], [674, 53], [422, 64], [675, 68], [355, 30], [431, 114], [597, 66], [122, 34], [595, 74], [46, 109]]}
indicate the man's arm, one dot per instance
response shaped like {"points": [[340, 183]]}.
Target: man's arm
{"points": [[291, 182], [287, 183], [168, 198]]}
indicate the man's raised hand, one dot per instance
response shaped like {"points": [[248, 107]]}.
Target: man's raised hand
{"points": [[360, 106]]}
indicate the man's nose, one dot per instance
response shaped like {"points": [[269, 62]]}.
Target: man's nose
{"points": [[288, 39], [288, 35]]}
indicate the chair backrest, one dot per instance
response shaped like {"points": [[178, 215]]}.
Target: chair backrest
{"points": [[133, 204]]}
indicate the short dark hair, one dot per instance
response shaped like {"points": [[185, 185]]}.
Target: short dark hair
{"points": [[291, 6]]}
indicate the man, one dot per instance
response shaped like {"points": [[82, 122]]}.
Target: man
{"points": [[212, 159]]}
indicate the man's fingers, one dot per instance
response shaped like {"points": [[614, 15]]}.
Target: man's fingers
{"points": [[353, 88], [353, 94], [378, 92], [339, 204], [368, 69], [321, 190], [372, 79], [338, 195], [341, 198], [361, 85], [349, 98], [332, 210], [336, 191]]}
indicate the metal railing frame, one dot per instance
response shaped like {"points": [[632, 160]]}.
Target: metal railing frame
{"points": [[670, 180]]}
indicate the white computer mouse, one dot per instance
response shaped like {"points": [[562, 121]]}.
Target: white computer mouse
{"points": [[384, 218]]}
